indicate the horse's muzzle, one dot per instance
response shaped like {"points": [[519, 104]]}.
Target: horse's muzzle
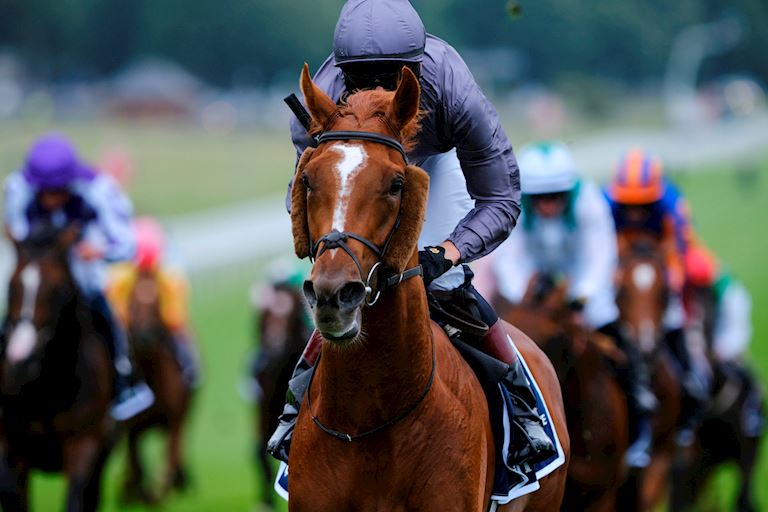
{"points": [[336, 307]]}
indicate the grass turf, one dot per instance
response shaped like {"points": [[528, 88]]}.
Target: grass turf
{"points": [[729, 209]]}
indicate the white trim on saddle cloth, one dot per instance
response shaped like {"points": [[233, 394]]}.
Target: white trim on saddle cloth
{"points": [[544, 468], [527, 486]]}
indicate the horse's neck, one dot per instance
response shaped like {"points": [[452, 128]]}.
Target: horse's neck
{"points": [[374, 379]]}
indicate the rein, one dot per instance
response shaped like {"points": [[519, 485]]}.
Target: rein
{"points": [[343, 436], [338, 239]]}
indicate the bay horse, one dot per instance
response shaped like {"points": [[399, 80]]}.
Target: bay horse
{"points": [[393, 419], [721, 436], [55, 379], [282, 332], [595, 403], [150, 342], [642, 296]]}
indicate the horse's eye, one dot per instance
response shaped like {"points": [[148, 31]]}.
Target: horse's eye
{"points": [[305, 181], [396, 187]]}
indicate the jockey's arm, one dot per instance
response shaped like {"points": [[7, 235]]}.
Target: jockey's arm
{"points": [[174, 291], [114, 213], [17, 197], [733, 323], [488, 164], [597, 254]]}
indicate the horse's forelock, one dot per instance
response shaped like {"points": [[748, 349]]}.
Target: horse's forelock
{"points": [[368, 104]]}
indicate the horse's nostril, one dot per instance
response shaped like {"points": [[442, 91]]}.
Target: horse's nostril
{"points": [[351, 295], [309, 293]]}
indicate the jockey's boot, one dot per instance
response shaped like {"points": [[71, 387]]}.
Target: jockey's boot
{"points": [[131, 396], [641, 402], [279, 445], [533, 445], [694, 386]]}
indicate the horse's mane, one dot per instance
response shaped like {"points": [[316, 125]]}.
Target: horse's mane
{"points": [[368, 104]]}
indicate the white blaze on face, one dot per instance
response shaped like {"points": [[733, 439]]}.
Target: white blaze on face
{"points": [[352, 158], [644, 275], [24, 336]]}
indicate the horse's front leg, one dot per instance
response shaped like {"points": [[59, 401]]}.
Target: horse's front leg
{"points": [[176, 476], [14, 494], [80, 457]]}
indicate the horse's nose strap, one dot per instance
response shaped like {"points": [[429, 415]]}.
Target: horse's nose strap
{"points": [[334, 238]]}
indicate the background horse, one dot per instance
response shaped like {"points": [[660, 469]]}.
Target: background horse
{"points": [[55, 380], [642, 299], [595, 404], [394, 418], [151, 346], [721, 436], [282, 330]]}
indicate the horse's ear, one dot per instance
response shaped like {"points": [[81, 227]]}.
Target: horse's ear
{"points": [[299, 223], [320, 106], [405, 107], [413, 206]]}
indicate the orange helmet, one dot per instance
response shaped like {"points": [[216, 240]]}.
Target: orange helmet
{"points": [[639, 179], [150, 243], [700, 266]]}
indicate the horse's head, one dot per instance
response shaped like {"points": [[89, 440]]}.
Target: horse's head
{"points": [[41, 287], [145, 325], [283, 325], [543, 314], [357, 205], [642, 289]]}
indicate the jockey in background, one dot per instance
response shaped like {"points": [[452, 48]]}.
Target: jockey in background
{"points": [[643, 200], [731, 324], [54, 191], [172, 299], [474, 185], [568, 232]]}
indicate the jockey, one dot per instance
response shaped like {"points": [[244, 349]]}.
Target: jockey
{"points": [[172, 299], [474, 187], [731, 325], [55, 190], [567, 231], [643, 200]]}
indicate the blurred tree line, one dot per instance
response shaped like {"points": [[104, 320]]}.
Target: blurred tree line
{"points": [[231, 42]]}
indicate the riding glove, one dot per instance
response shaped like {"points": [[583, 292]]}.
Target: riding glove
{"points": [[433, 263]]}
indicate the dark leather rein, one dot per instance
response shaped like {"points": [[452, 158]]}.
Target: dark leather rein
{"points": [[337, 239]]}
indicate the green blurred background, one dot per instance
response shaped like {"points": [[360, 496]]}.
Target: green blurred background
{"points": [[184, 99]]}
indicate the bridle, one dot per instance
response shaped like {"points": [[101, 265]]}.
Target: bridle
{"points": [[338, 239], [335, 239]]}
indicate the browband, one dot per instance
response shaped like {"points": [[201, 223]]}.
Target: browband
{"points": [[367, 136]]}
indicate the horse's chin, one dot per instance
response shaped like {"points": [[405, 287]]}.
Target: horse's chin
{"points": [[344, 338], [337, 326]]}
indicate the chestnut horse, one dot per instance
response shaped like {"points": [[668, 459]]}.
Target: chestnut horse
{"points": [[394, 419], [595, 404], [55, 380], [642, 296], [151, 342], [282, 332]]}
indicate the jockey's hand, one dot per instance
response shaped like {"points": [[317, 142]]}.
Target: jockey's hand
{"points": [[433, 263], [88, 252]]}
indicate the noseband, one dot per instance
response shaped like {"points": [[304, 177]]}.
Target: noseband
{"points": [[338, 240]]}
